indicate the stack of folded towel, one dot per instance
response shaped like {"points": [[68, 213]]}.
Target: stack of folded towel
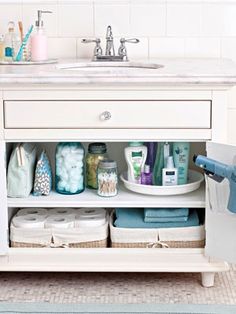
{"points": [[155, 218], [166, 214]]}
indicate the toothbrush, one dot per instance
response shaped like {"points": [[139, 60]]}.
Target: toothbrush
{"points": [[24, 42], [21, 30]]}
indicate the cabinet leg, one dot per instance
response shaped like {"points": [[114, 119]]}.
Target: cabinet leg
{"points": [[208, 279]]}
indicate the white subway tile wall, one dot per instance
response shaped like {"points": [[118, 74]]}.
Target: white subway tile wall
{"points": [[166, 28]]}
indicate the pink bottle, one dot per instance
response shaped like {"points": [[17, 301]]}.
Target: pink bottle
{"points": [[39, 48]]}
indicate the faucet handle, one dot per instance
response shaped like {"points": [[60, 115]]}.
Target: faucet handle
{"points": [[129, 40], [122, 51], [88, 41], [97, 49]]}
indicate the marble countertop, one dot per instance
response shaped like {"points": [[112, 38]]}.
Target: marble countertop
{"points": [[175, 71]]}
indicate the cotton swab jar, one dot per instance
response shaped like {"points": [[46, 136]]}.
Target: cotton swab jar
{"points": [[107, 178]]}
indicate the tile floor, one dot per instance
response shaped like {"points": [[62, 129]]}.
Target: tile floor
{"points": [[116, 288]]}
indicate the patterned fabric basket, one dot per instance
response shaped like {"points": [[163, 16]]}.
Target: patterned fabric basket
{"points": [[91, 244], [59, 238], [188, 237]]}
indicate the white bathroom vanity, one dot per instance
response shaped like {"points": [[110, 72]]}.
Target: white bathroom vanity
{"points": [[186, 100]]}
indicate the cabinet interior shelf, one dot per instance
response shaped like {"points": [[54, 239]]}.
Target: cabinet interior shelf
{"points": [[125, 198]]}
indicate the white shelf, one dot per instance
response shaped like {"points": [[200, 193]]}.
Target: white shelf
{"points": [[125, 198], [109, 260]]}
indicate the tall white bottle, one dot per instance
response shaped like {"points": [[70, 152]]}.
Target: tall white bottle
{"points": [[39, 45]]}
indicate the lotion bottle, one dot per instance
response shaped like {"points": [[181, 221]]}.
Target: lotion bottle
{"points": [[135, 155], [39, 49]]}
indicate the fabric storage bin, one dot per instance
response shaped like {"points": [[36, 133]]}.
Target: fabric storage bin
{"points": [[188, 237], [58, 237]]}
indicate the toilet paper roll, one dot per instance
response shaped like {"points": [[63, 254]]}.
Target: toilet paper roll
{"points": [[89, 222], [59, 221], [29, 221], [91, 212], [62, 211], [32, 211]]}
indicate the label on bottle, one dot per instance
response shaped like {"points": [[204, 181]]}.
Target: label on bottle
{"points": [[8, 52], [137, 158]]}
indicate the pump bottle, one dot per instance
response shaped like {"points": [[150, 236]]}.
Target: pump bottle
{"points": [[39, 49]]}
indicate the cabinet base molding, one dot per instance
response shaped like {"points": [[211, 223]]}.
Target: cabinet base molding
{"points": [[110, 260]]}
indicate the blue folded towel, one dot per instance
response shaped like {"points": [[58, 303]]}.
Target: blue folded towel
{"points": [[133, 218], [165, 219], [166, 214]]}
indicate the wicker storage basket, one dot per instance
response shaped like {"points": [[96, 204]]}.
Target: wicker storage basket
{"points": [[188, 237], [59, 238]]}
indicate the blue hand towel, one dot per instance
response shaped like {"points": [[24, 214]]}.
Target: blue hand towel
{"points": [[133, 218], [165, 212], [165, 219]]}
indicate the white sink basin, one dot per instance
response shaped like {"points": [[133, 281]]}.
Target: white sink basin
{"points": [[107, 66]]}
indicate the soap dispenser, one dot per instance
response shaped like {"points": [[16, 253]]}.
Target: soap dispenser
{"points": [[39, 40]]}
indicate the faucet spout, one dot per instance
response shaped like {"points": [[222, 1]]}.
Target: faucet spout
{"points": [[110, 49]]}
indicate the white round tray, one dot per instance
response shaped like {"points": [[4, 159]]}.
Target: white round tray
{"points": [[194, 181], [49, 61]]}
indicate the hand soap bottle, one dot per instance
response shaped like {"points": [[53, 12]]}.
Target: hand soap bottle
{"points": [[39, 49]]}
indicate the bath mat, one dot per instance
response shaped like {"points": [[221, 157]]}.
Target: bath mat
{"points": [[48, 308]]}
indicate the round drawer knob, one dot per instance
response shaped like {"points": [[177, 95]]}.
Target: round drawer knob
{"points": [[106, 115]]}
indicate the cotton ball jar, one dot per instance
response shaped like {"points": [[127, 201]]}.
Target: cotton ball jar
{"points": [[70, 168]]}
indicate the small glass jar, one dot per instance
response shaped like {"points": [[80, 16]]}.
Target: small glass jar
{"points": [[70, 168], [107, 178], [96, 153]]}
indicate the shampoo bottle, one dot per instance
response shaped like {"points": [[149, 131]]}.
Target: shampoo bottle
{"points": [[151, 154], [135, 155], [181, 160], [39, 49]]}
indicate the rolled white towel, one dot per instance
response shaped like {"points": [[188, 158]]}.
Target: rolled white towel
{"points": [[32, 211], [29, 221], [59, 221]]}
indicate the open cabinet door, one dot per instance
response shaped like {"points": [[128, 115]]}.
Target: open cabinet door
{"points": [[3, 201], [220, 222]]}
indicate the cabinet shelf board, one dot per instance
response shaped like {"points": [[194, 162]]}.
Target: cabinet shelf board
{"points": [[107, 259], [125, 198]]}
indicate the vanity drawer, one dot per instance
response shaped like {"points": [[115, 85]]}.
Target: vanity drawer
{"points": [[108, 114]]}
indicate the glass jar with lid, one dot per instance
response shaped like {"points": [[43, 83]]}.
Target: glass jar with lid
{"points": [[96, 153], [107, 178], [69, 168]]}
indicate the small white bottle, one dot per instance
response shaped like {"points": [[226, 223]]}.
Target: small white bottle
{"points": [[11, 43], [170, 173], [39, 48]]}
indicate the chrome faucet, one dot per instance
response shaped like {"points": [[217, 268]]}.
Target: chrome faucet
{"points": [[110, 49]]}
